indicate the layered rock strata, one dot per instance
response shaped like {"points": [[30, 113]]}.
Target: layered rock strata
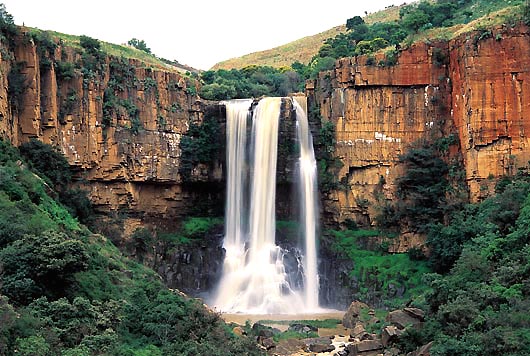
{"points": [[472, 87], [118, 121]]}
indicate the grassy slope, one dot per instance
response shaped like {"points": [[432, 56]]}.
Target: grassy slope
{"points": [[486, 13], [301, 50], [118, 51]]}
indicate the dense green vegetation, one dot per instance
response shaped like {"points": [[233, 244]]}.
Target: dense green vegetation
{"points": [[251, 81], [379, 274], [480, 307], [67, 291], [200, 145]]}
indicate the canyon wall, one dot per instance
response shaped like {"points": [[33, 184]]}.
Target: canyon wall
{"points": [[474, 88], [118, 121], [491, 104]]}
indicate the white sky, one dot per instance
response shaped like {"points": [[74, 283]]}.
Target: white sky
{"points": [[198, 33]]}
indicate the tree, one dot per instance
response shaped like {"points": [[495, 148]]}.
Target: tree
{"points": [[139, 44], [7, 24], [41, 265], [47, 162], [414, 20], [354, 22]]}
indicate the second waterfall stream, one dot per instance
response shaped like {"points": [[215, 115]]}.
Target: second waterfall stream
{"points": [[254, 279]]}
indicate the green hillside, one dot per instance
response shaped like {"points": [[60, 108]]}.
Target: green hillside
{"points": [[67, 291], [301, 50], [466, 15]]}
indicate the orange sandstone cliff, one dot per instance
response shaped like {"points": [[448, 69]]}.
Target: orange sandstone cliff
{"points": [[474, 87], [120, 122]]}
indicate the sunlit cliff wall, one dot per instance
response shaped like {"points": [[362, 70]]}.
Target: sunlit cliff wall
{"points": [[475, 87], [118, 121]]}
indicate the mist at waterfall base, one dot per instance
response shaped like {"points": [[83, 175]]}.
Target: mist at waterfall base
{"points": [[256, 277]]}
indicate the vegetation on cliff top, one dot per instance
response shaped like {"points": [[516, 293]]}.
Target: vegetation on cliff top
{"points": [[67, 291], [387, 31]]}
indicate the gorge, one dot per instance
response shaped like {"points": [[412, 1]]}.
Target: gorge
{"points": [[123, 131], [422, 159]]}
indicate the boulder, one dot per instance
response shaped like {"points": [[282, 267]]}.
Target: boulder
{"points": [[401, 319], [319, 344], [302, 328], [264, 331], [239, 331], [364, 347], [390, 334], [266, 342], [424, 350], [321, 348], [415, 313], [358, 329], [352, 314]]}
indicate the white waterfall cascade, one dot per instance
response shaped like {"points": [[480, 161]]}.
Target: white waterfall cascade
{"points": [[307, 178], [254, 279]]}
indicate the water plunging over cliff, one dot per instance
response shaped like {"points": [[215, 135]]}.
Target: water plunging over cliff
{"points": [[254, 276], [307, 182]]}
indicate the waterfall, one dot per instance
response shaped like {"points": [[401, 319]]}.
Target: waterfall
{"points": [[254, 277], [307, 178]]}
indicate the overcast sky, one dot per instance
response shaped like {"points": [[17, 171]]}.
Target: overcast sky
{"points": [[198, 33]]}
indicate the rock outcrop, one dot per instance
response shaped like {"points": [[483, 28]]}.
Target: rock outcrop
{"points": [[471, 88], [490, 106], [378, 112], [118, 121]]}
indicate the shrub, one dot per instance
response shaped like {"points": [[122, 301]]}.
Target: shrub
{"points": [[41, 265], [16, 85], [47, 162], [92, 45], [199, 145], [65, 70], [139, 44]]}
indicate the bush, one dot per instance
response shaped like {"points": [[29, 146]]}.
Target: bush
{"points": [[92, 45], [199, 145], [65, 70], [8, 29], [78, 204], [47, 162], [41, 265], [139, 44], [16, 85]]}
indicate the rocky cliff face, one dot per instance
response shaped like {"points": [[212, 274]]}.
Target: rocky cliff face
{"points": [[490, 104], [118, 121], [472, 87], [378, 112]]}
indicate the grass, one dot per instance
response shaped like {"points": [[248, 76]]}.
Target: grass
{"points": [[301, 50], [380, 268], [294, 335], [111, 49], [389, 14]]}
